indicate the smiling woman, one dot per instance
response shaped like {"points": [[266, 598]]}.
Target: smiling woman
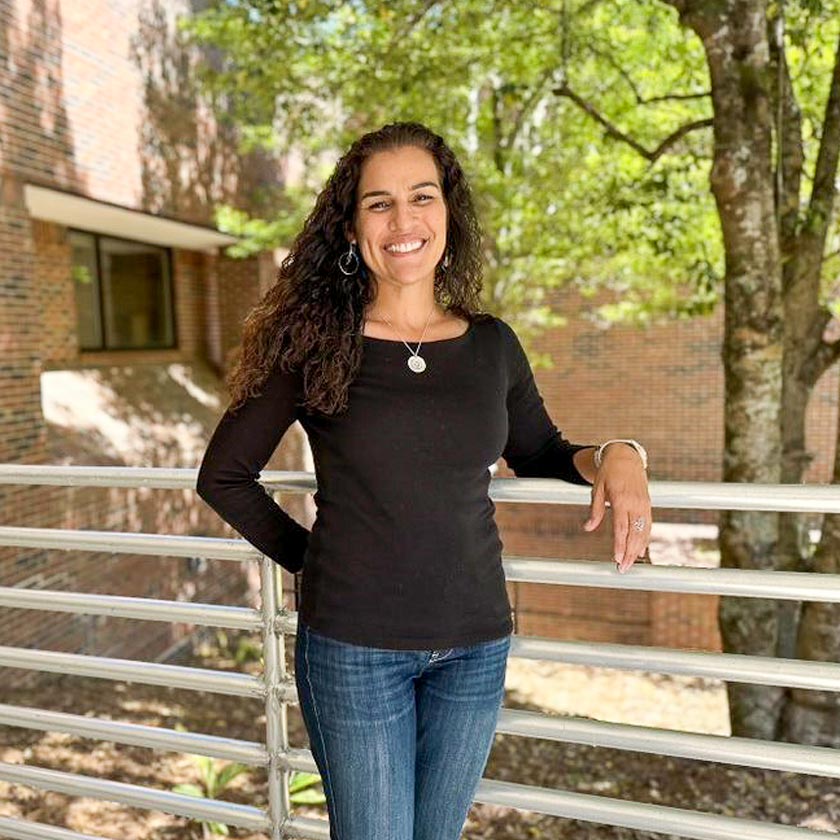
{"points": [[400, 229], [404, 623], [355, 269]]}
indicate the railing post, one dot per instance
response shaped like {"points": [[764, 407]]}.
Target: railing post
{"points": [[277, 731]]}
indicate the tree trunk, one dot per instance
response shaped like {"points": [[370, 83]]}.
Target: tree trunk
{"points": [[790, 156], [813, 717], [734, 37]]}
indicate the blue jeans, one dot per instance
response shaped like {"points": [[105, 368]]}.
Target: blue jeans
{"points": [[401, 737]]}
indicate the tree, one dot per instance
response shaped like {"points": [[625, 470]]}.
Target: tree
{"points": [[775, 247], [556, 207], [808, 255]]}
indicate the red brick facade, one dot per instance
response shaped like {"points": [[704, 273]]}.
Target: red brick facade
{"points": [[74, 115], [663, 386]]}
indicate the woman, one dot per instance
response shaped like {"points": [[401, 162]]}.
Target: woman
{"points": [[404, 625]]}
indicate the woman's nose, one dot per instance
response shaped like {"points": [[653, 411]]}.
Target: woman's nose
{"points": [[401, 216]]}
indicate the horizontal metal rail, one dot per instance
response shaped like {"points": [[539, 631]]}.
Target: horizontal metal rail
{"points": [[27, 830], [122, 542], [681, 495], [746, 752], [136, 734], [745, 583], [133, 671], [213, 615], [137, 796], [306, 827], [756, 670], [120, 606], [297, 758], [735, 667], [579, 806], [661, 819], [156, 478], [685, 495], [749, 583]]}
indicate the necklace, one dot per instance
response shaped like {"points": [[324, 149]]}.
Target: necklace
{"points": [[416, 362]]}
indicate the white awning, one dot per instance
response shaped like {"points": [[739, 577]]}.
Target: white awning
{"points": [[78, 211]]}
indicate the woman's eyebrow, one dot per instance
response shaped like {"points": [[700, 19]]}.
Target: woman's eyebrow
{"points": [[415, 187]]}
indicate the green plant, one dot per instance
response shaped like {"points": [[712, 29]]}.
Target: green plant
{"points": [[300, 789], [222, 641], [213, 782], [247, 650]]}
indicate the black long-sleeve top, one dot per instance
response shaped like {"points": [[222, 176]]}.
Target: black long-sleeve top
{"points": [[404, 552]]}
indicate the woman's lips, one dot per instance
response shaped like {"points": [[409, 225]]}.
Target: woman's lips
{"points": [[407, 253]]}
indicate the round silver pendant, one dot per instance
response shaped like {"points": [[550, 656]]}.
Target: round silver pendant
{"points": [[417, 363]]}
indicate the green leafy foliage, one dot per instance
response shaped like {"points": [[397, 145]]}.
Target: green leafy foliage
{"points": [[301, 789], [570, 191], [213, 781], [246, 648]]}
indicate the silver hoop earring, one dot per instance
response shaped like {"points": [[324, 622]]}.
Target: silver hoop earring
{"points": [[352, 257]]}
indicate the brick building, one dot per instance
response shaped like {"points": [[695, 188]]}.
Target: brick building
{"points": [[118, 305], [119, 311]]}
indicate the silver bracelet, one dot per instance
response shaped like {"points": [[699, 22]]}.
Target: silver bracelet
{"points": [[599, 452]]}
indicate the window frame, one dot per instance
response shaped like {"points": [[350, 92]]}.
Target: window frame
{"points": [[170, 273]]}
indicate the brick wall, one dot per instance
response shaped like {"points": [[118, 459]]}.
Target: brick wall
{"points": [[662, 385], [21, 424], [238, 292], [78, 100], [138, 510]]}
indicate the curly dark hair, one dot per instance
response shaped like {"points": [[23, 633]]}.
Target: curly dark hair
{"points": [[311, 319]]}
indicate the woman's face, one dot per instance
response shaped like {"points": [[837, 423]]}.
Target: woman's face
{"points": [[400, 218]]}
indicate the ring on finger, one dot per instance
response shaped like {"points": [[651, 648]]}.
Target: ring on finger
{"points": [[639, 524]]}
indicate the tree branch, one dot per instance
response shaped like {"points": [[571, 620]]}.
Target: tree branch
{"points": [[527, 107], [641, 100], [613, 131], [828, 352], [790, 155], [825, 353], [498, 157], [413, 20], [825, 174], [678, 96]]}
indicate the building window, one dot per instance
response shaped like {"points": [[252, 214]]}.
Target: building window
{"points": [[123, 293]]}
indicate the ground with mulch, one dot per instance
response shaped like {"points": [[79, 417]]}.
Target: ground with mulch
{"points": [[652, 700]]}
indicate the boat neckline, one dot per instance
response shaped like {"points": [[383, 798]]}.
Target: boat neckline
{"points": [[463, 335]]}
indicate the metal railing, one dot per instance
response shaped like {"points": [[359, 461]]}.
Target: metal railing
{"points": [[277, 689]]}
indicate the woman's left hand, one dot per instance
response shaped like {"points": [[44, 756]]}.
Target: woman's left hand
{"points": [[621, 480]]}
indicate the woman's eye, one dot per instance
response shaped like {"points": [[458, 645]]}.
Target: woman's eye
{"points": [[424, 197]]}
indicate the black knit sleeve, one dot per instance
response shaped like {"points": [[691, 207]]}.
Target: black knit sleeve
{"points": [[535, 448], [239, 448]]}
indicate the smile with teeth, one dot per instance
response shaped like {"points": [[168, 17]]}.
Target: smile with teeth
{"points": [[405, 247]]}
